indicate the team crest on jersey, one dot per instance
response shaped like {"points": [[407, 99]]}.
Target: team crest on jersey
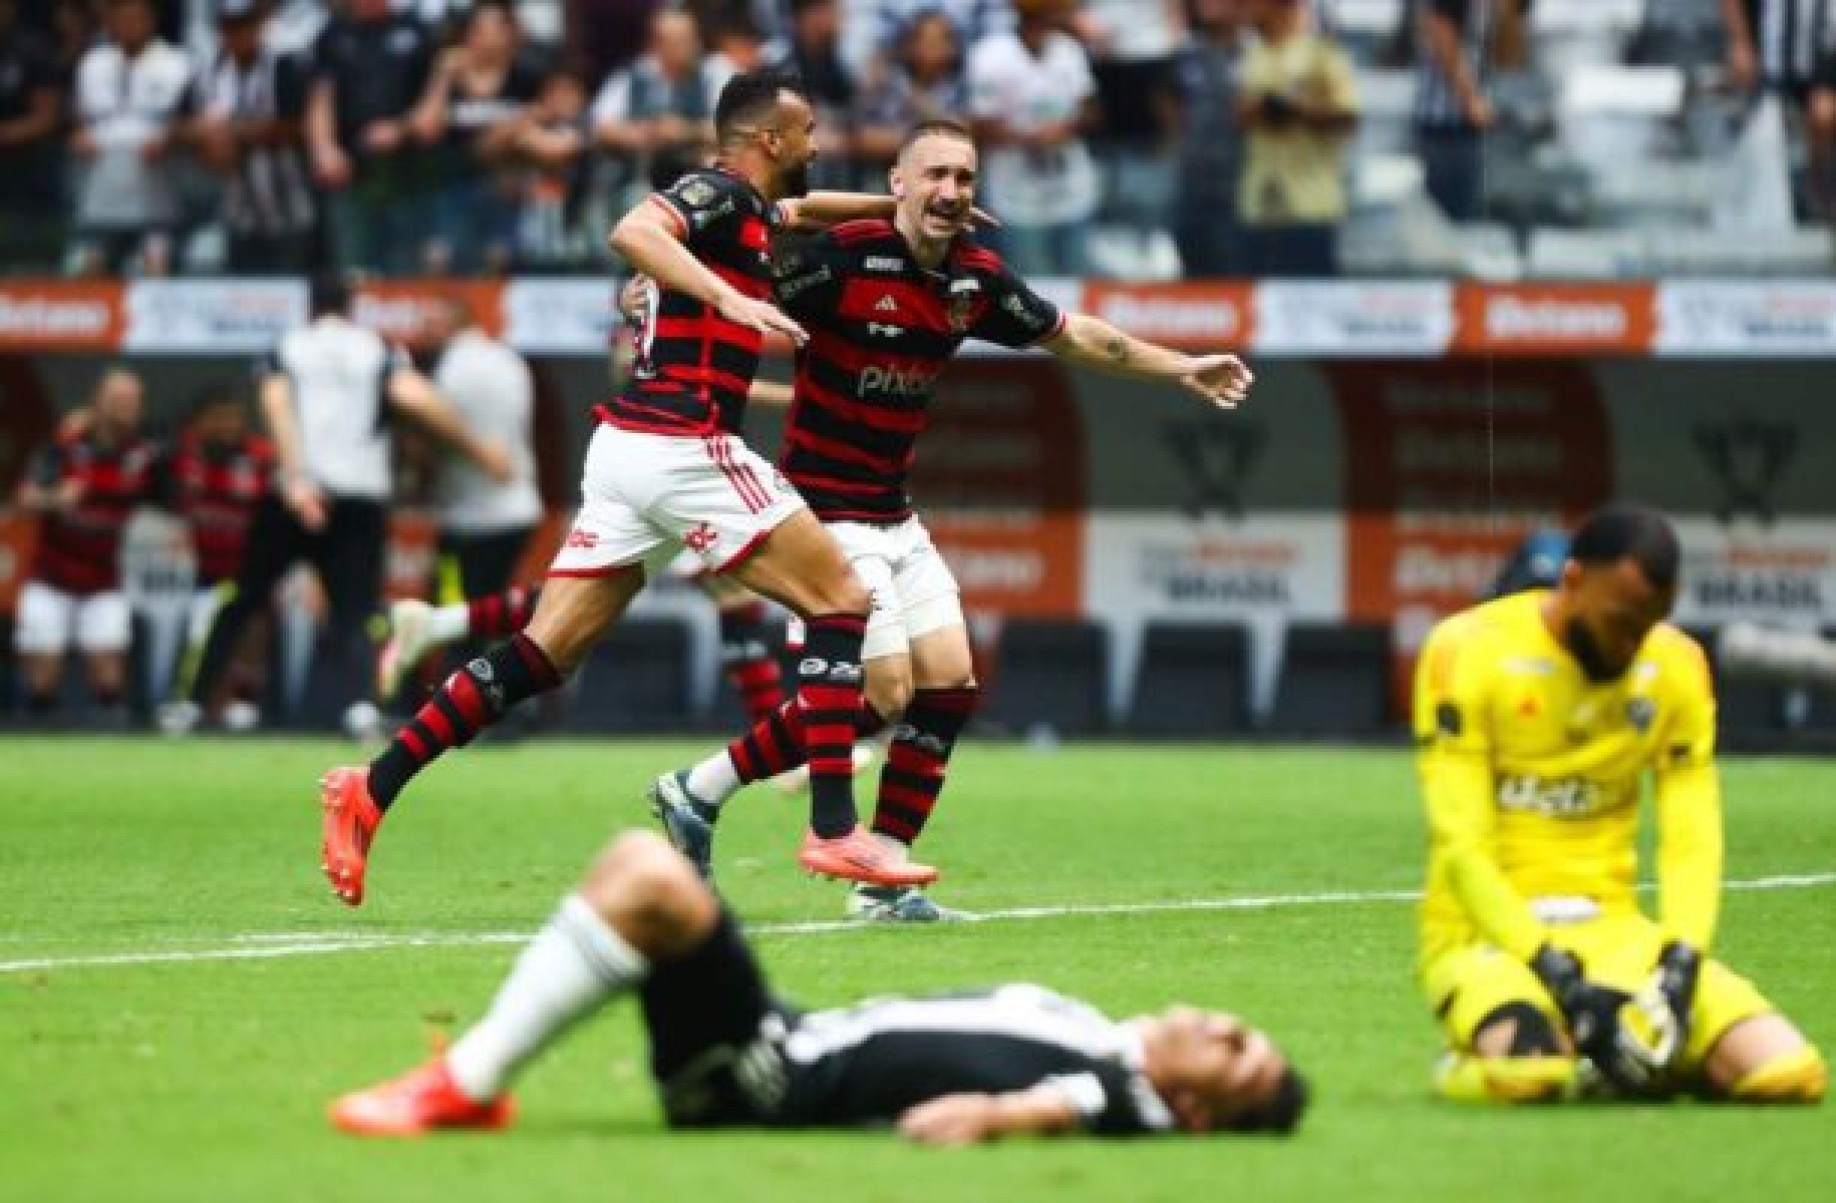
{"points": [[1640, 712], [961, 309], [697, 192]]}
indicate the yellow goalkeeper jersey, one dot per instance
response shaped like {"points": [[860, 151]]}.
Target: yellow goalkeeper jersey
{"points": [[1532, 777]]}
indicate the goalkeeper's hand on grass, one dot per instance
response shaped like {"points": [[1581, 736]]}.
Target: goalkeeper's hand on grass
{"points": [[1627, 1038]]}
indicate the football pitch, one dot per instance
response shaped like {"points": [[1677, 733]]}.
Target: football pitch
{"points": [[180, 994]]}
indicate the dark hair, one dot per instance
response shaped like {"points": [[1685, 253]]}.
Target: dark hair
{"points": [[329, 292], [750, 97], [941, 127], [1625, 531], [1282, 1112]]}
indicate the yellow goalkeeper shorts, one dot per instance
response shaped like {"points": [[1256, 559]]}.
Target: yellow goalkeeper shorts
{"points": [[1464, 985]]}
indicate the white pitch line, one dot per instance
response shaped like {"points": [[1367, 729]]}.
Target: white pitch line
{"points": [[259, 946]]}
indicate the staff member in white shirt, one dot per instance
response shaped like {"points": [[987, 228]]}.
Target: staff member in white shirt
{"points": [[1033, 98], [485, 521], [328, 393]]}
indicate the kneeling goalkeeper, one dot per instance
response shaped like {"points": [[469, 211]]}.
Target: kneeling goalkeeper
{"points": [[1537, 717]]}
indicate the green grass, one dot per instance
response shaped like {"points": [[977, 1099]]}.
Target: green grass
{"points": [[207, 1079]]}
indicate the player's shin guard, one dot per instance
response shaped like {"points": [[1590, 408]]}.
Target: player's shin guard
{"points": [[1800, 1076], [746, 657], [575, 965], [473, 698], [500, 615], [1467, 1078], [829, 690], [917, 759]]}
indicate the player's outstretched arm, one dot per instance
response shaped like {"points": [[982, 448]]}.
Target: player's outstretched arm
{"points": [[816, 211], [966, 1119], [1223, 380], [649, 238]]}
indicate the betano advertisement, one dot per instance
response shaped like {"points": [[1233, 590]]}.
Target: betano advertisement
{"points": [[1401, 437]]}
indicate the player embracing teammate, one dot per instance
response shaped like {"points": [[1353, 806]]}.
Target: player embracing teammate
{"points": [[667, 468]]}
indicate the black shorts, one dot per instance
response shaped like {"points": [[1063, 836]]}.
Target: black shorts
{"points": [[717, 1035]]}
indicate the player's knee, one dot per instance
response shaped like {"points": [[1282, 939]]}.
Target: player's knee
{"points": [[1798, 1076], [647, 891], [1519, 1029], [889, 690]]}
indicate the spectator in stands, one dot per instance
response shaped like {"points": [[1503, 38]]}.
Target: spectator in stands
{"points": [[31, 115], [1033, 98], [1452, 110], [887, 21], [130, 93], [246, 106], [370, 67], [472, 112], [1788, 48], [1133, 46], [552, 140], [1211, 145], [84, 488], [664, 101], [923, 81], [1298, 102], [813, 52], [608, 35]]}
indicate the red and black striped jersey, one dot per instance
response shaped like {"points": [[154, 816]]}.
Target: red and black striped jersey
{"points": [[79, 550], [215, 487], [882, 328], [693, 366]]}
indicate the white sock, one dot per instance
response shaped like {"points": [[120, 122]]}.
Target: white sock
{"points": [[575, 965], [448, 624], [714, 780]]}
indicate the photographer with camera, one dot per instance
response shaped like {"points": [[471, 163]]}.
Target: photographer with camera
{"points": [[1298, 104]]}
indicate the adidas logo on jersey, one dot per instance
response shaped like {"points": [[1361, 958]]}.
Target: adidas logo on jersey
{"points": [[886, 304]]}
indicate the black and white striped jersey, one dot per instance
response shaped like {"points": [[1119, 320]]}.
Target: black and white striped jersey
{"points": [[866, 1065]]}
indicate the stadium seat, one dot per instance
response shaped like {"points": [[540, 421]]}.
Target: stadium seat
{"points": [[1051, 675], [1335, 681], [1193, 680], [1557, 254], [637, 680]]}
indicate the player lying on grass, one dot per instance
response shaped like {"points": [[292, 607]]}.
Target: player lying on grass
{"points": [[1538, 716], [887, 305], [725, 1051]]}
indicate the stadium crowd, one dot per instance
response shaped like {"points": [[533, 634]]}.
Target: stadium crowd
{"points": [[1139, 138]]}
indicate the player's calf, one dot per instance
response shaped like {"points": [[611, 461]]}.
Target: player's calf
{"points": [[1799, 1076], [1519, 1056]]}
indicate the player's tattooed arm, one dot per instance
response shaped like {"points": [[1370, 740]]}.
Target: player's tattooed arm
{"points": [[1222, 380]]}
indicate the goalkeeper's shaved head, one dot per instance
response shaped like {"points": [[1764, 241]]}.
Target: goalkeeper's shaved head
{"points": [[1620, 581]]}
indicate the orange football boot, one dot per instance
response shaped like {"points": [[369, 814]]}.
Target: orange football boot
{"points": [[419, 1101], [857, 856], [351, 820]]}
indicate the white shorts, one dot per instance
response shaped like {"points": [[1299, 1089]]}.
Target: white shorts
{"points": [[914, 591], [646, 494], [50, 620]]}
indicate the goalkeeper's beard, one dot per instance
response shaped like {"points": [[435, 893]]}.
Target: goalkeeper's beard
{"points": [[1585, 649]]}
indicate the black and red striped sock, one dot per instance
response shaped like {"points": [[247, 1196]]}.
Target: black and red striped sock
{"points": [[917, 759], [500, 615], [473, 698], [774, 744], [746, 657], [829, 690]]}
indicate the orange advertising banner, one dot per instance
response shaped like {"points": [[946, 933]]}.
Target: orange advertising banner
{"points": [[1211, 316], [61, 315], [1555, 319], [401, 310]]}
